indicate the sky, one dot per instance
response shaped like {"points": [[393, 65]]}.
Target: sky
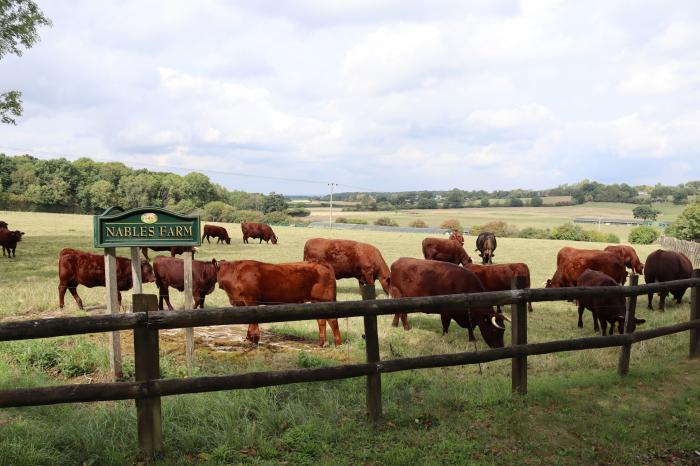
{"points": [[395, 95]]}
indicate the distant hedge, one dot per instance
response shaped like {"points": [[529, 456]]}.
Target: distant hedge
{"points": [[643, 235]]}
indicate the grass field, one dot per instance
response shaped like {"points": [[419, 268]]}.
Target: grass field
{"points": [[538, 217], [577, 410]]}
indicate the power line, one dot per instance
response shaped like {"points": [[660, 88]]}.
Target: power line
{"points": [[176, 167]]}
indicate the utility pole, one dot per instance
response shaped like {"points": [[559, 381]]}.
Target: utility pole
{"points": [[330, 220]]}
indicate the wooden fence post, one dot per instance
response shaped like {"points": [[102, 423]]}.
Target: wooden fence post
{"points": [[518, 314], [189, 331], [374, 381], [695, 314], [147, 362], [137, 287], [623, 364], [115, 344]]}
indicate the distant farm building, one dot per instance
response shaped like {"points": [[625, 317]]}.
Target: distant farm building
{"points": [[611, 221]]}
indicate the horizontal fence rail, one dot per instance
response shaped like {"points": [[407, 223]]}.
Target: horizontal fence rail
{"points": [[63, 326], [146, 322]]}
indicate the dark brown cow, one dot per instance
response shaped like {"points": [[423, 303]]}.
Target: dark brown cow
{"points": [[628, 256], [214, 231], [664, 266], [499, 277], [9, 240], [486, 245], [258, 230], [251, 283], [3, 225], [572, 262], [456, 235], [169, 272], [415, 277], [445, 250], [83, 268], [349, 259], [606, 309], [174, 250]]}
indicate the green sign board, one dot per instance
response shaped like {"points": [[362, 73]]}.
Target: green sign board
{"points": [[144, 226]]}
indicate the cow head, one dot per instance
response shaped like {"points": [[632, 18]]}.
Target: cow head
{"points": [[638, 268], [3, 225], [215, 263], [18, 235], [147, 275], [274, 239], [492, 326]]}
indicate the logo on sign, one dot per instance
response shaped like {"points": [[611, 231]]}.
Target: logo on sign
{"points": [[149, 217]]}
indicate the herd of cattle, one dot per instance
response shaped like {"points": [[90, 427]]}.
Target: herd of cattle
{"points": [[446, 269]]}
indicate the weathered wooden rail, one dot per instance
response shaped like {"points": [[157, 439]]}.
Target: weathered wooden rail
{"points": [[146, 321]]}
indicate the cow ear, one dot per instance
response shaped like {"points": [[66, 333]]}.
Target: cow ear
{"points": [[215, 264]]}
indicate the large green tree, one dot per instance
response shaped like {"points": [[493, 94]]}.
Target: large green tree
{"points": [[19, 21]]}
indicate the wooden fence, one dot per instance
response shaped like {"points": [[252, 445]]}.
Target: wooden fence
{"points": [[691, 249], [146, 321]]}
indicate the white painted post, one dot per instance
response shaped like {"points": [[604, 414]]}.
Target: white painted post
{"points": [[189, 332], [136, 270], [115, 348]]}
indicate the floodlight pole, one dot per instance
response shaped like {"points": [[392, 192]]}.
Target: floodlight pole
{"points": [[330, 220]]}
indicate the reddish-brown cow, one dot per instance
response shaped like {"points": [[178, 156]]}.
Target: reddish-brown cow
{"points": [[349, 259], [174, 250], [445, 250], [665, 266], [251, 283], [214, 231], [83, 268], [169, 272], [499, 277], [9, 240], [456, 235], [258, 230], [628, 256], [415, 277], [606, 309], [572, 262]]}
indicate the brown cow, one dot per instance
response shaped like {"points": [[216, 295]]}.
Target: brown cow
{"points": [[174, 250], [169, 272], [628, 256], [456, 235], [486, 245], [606, 309], [3, 225], [349, 259], [214, 231], [251, 283], [87, 269], [665, 266], [499, 277], [445, 250], [572, 262], [258, 230], [415, 277], [9, 240]]}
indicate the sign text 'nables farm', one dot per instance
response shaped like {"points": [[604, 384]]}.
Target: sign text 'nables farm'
{"points": [[146, 226]]}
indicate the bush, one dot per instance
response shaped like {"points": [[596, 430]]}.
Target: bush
{"points": [[485, 202], [298, 212], [534, 233], [451, 224], [418, 223], [277, 218], [563, 203], [184, 207], [536, 201], [599, 237], [498, 228], [687, 225], [240, 216], [217, 211], [385, 222], [569, 232], [643, 235], [516, 202], [352, 221]]}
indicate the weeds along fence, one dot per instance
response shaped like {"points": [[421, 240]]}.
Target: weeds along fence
{"points": [[146, 322], [691, 249]]}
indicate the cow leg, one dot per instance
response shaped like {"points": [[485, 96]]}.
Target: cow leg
{"points": [[650, 296], [74, 292], [62, 293], [260, 241], [604, 326], [404, 321], [529, 306], [165, 294], [321, 332], [595, 321], [395, 322], [445, 323], [662, 302], [336, 331], [580, 314], [470, 330]]}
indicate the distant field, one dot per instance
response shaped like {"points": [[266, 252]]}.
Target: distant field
{"points": [[572, 415], [539, 217]]}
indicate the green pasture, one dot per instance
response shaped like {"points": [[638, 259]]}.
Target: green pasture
{"points": [[577, 410]]}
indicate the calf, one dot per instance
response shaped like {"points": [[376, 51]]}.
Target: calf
{"points": [[9, 240], [445, 250], [83, 268], [665, 266], [628, 256], [415, 277], [214, 231], [606, 309], [262, 231], [251, 283], [499, 277], [169, 272]]}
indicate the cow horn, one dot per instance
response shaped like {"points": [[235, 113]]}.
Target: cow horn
{"points": [[495, 324]]}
